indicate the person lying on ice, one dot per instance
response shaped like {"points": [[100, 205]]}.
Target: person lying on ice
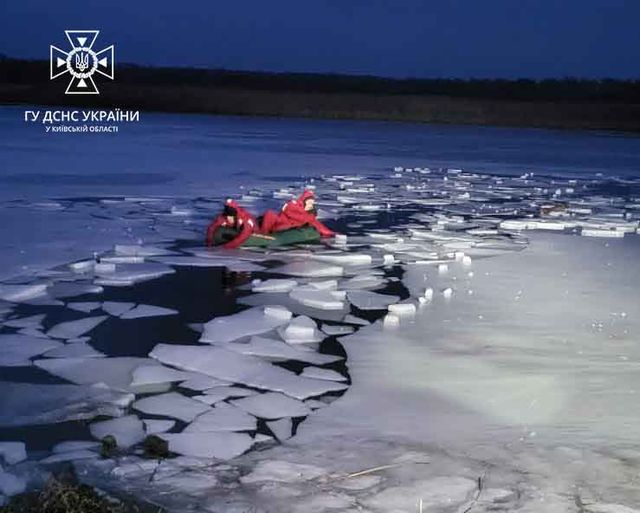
{"points": [[232, 227], [295, 214]]}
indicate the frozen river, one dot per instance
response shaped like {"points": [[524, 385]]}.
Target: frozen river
{"points": [[463, 351]]}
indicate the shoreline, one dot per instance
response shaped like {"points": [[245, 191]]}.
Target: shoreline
{"points": [[421, 109]]}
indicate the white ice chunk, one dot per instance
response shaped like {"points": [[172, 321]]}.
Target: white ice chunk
{"points": [[127, 430], [147, 311], [220, 445], [75, 329], [173, 405], [75, 350], [277, 350], [224, 417], [219, 394], [334, 330], [309, 269], [391, 321], [367, 300], [447, 293], [13, 452], [249, 322], [301, 330], [248, 370], [16, 350], [282, 429], [322, 299], [319, 373], [343, 258], [84, 306], [117, 308], [273, 285], [403, 309], [153, 426], [593, 232], [272, 405]]}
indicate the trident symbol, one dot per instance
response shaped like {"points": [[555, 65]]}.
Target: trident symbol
{"points": [[82, 61]]}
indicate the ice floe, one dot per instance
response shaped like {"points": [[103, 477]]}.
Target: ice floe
{"points": [[172, 405], [75, 329], [367, 300], [127, 430], [16, 350], [219, 445], [147, 311], [224, 417], [237, 368], [277, 350], [249, 322], [272, 405]]}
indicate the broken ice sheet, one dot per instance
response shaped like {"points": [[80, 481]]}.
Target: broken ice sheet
{"points": [[224, 417], [237, 368], [84, 306], [154, 374], [17, 350], [282, 429], [172, 405], [319, 373], [249, 322], [273, 285], [367, 300], [309, 269], [301, 330], [117, 308], [127, 430], [114, 372], [75, 350], [277, 350], [312, 297], [33, 321], [144, 251], [155, 426], [194, 261], [218, 445], [62, 290], [141, 311], [129, 274], [28, 403], [272, 405], [20, 293], [75, 329]]}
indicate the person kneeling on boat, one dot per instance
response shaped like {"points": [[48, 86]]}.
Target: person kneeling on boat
{"points": [[295, 214], [232, 227]]}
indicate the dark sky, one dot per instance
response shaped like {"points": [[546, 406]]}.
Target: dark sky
{"points": [[399, 38]]}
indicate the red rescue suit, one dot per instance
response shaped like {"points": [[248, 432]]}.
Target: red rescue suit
{"points": [[244, 223], [293, 215]]}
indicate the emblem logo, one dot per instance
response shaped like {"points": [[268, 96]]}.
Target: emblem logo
{"points": [[81, 62]]}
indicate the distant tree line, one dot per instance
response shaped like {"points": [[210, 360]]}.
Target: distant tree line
{"points": [[33, 72]]}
